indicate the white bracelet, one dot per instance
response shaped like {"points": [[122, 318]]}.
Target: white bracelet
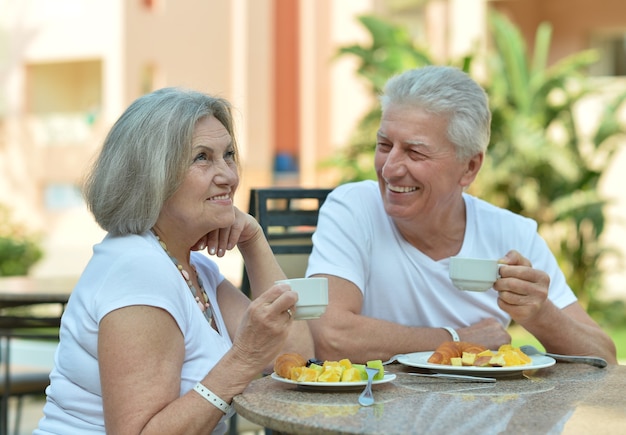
{"points": [[455, 336], [212, 398]]}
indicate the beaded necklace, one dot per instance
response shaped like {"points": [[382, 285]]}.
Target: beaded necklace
{"points": [[203, 303]]}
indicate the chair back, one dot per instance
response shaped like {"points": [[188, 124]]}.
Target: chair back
{"points": [[18, 380], [288, 217]]}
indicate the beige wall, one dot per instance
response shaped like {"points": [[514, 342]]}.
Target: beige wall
{"points": [[224, 47], [573, 22], [220, 47]]}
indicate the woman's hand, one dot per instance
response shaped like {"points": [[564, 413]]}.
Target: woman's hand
{"points": [[523, 290], [264, 328], [244, 229]]}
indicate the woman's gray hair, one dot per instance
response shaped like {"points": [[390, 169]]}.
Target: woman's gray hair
{"points": [[146, 155], [446, 91]]}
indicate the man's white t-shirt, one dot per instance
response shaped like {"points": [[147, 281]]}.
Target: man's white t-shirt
{"points": [[357, 241], [125, 271]]}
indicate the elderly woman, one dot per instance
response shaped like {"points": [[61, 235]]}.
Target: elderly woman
{"points": [[385, 247], [154, 338]]}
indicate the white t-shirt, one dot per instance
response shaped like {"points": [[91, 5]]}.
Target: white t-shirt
{"points": [[125, 271], [357, 241]]}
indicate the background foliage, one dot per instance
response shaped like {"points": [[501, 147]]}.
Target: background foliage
{"points": [[19, 250], [538, 163]]}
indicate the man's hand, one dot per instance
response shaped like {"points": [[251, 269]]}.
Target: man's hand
{"points": [[523, 290], [488, 332]]}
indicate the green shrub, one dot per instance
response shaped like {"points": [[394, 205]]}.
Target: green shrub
{"points": [[19, 250]]}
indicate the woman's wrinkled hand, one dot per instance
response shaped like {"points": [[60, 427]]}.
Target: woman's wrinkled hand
{"points": [[522, 290], [265, 327], [243, 229]]}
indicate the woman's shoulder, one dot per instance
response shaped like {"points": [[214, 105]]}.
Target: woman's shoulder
{"points": [[132, 251], [128, 270], [127, 243]]}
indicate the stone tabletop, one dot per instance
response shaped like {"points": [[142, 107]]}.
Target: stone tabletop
{"points": [[564, 398]]}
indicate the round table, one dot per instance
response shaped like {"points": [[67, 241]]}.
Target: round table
{"points": [[558, 399]]}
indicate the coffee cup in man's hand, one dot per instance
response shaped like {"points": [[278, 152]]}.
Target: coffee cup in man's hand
{"points": [[473, 274]]}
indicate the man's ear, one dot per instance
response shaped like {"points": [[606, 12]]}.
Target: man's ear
{"points": [[473, 165]]}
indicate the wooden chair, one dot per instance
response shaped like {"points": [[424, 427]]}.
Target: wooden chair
{"points": [[288, 217], [18, 380]]}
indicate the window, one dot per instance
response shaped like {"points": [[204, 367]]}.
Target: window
{"points": [[59, 197], [63, 100], [612, 50]]}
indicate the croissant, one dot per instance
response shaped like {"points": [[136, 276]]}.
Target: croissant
{"points": [[285, 362], [444, 352], [453, 349]]}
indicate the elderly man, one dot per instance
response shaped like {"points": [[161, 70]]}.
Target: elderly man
{"points": [[385, 247]]}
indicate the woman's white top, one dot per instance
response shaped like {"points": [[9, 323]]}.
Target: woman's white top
{"points": [[125, 271], [357, 241]]}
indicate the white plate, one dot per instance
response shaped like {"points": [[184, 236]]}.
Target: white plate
{"points": [[420, 360], [334, 385]]}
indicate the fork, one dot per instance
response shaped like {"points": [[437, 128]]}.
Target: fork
{"points": [[393, 359], [367, 397], [592, 360]]}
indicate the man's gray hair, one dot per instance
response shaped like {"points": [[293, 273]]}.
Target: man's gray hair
{"points": [[450, 92]]}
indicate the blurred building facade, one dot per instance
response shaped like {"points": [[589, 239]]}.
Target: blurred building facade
{"points": [[68, 68]]}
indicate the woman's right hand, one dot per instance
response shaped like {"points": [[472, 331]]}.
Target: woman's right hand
{"points": [[264, 328], [244, 229]]}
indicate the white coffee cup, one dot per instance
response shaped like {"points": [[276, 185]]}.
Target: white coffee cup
{"points": [[473, 274], [312, 296]]}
